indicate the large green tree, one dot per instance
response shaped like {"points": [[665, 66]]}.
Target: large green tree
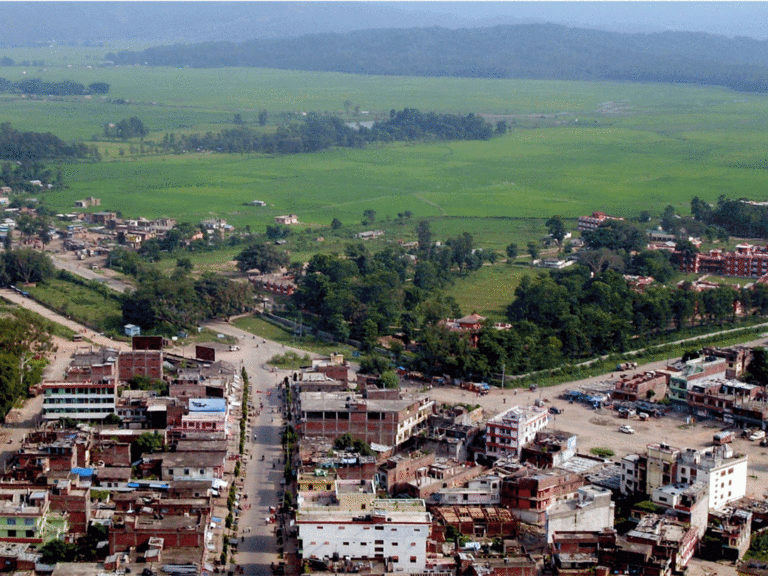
{"points": [[265, 257]]}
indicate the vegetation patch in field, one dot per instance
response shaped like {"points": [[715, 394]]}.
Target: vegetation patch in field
{"points": [[88, 306], [290, 360]]}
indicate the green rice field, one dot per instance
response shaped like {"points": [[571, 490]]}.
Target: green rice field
{"points": [[573, 148]]}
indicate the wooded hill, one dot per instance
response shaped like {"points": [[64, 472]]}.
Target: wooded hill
{"points": [[532, 51]]}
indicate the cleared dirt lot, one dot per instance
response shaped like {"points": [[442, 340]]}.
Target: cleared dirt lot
{"points": [[600, 428]]}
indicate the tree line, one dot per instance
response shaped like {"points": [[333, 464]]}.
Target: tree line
{"points": [[29, 147], [18, 176], [43, 88], [24, 340], [533, 51], [736, 217], [572, 315], [165, 304], [316, 132]]}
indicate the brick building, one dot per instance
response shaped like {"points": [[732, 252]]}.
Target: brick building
{"points": [[530, 493], [643, 386], [737, 358], [381, 421], [747, 261], [396, 471], [147, 363], [176, 532], [594, 221]]}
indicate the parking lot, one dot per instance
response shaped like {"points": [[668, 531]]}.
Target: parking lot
{"points": [[600, 428]]}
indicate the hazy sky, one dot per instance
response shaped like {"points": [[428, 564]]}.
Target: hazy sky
{"points": [[726, 18], [160, 22]]}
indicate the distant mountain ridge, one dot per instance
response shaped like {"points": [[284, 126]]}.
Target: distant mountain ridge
{"points": [[532, 51]]}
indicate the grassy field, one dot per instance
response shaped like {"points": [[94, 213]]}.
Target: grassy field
{"points": [[575, 147], [58, 329], [490, 290], [265, 329], [529, 174], [80, 303]]}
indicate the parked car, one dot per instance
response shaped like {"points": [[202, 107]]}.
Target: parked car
{"points": [[757, 435], [234, 348], [626, 429], [555, 410]]}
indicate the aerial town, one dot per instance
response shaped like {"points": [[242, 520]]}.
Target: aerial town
{"points": [[146, 456], [383, 288]]}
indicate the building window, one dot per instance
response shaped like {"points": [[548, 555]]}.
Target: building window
{"points": [[29, 521], [413, 559], [11, 522]]}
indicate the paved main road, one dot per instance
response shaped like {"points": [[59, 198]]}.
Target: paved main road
{"points": [[258, 550]]}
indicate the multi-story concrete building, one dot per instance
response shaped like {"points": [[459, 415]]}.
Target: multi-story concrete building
{"points": [[634, 474], [351, 522], [508, 432], [550, 449], [737, 358], [717, 397], [591, 510], [79, 400], [686, 502], [669, 539], [388, 422], [25, 517], [483, 491], [682, 374], [724, 474]]}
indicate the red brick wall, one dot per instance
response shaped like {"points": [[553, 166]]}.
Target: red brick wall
{"points": [[147, 363]]}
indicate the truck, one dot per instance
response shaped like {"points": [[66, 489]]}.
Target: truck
{"points": [[723, 437], [626, 366]]}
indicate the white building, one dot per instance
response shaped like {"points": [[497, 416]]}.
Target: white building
{"points": [[483, 491], [508, 432], [352, 523], [78, 400], [591, 511], [632, 474], [724, 474]]}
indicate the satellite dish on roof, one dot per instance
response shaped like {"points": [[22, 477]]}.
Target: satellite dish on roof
{"points": [[174, 338]]}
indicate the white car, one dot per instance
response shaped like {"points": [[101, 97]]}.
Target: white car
{"points": [[757, 435], [626, 429]]}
